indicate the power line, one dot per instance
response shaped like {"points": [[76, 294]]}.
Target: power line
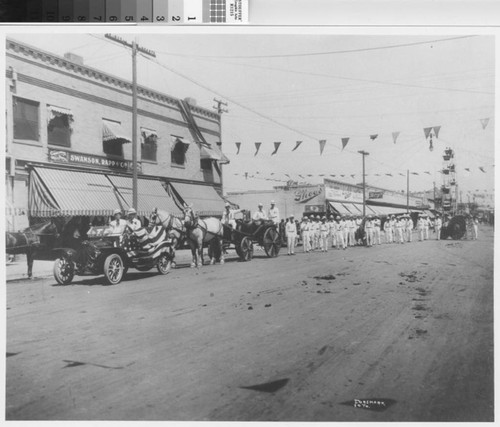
{"points": [[335, 52]]}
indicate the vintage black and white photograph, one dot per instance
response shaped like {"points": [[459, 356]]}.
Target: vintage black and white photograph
{"points": [[289, 224]]}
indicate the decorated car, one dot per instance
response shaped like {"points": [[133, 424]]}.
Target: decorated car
{"points": [[112, 254]]}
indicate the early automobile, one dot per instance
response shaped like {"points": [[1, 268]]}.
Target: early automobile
{"points": [[113, 254]]}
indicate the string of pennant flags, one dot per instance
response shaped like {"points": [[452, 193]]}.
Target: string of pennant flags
{"points": [[272, 175], [429, 132]]}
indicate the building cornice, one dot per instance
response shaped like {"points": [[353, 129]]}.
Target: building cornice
{"points": [[92, 74]]}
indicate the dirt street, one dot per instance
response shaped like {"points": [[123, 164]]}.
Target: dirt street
{"points": [[296, 338]]}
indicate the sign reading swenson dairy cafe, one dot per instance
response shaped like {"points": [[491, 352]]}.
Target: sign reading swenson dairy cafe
{"points": [[101, 162]]}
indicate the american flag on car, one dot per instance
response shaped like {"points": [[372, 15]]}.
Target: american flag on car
{"points": [[143, 247]]}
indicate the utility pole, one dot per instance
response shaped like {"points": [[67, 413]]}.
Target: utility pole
{"points": [[220, 110], [407, 191], [364, 153], [135, 48]]}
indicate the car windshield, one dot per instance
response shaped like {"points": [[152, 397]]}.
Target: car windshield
{"points": [[103, 230]]}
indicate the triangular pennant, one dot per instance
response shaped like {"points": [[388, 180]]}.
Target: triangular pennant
{"points": [[352, 176], [484, 122], [402, 174], [322, 143], [395, 136], [377, 174], [297, 145], [436, 130], [467, 169], [257, 147], [342, 176], [414, 173], [482, 169], [238, 145], [276, 146], [344, 142], [427, 131], [374, 137], [309, 174], [321, 174], [428, 173], [301, 176], [389, 174], [332, 175]]}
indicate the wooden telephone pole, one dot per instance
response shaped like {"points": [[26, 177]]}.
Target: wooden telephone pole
{"points": [[135, 48]]}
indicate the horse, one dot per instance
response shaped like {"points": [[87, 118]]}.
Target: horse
{"points": [[28, 241], [174, 226], [199, 231]]}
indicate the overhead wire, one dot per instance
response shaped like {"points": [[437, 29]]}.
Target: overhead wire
{"points": [[335, 52]]}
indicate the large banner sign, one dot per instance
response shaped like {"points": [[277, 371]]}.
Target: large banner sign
{"points": [[343, 195], [101, 162], [375, 194], [304, 195]]}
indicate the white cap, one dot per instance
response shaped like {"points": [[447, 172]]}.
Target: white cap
{"points": [[117, 211], [272, 202], [131, 211]]}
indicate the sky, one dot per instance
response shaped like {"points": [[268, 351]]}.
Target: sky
{"points": [[297, 86]]}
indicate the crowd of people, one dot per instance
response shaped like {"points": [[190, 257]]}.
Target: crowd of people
{"points": [[320, 233]]}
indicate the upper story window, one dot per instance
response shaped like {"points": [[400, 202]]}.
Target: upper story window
{"points": [[59, 126], [178, 150], [26, 116], [113, 138], [149, 140]]}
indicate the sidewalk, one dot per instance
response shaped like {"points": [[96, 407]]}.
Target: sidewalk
{"points": [[18, 269]]}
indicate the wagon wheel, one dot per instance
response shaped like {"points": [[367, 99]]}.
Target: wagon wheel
{"points": [[272, 242], [64, 270], [164, 263], [113, 269], [244, 249]]}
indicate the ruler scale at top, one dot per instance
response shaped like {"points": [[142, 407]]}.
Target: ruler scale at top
{"points": [[129, 11]]}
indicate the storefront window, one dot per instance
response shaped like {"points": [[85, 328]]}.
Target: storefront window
{"points": [[26, 119]]}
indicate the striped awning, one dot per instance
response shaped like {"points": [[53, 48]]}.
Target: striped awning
{"points": [[150, 194], [204, 199], [54, 112], [387, 210], [213, 153], [345, 208], [57, 192], [112, 131]]}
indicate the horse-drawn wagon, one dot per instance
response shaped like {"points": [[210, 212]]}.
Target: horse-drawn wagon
{"points": [[246, 233], [113, 254]]}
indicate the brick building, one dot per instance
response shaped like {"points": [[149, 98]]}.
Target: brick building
{"points": [[68, 150]]}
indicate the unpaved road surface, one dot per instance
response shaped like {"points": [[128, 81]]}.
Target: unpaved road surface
{"points": [[412, 323]]}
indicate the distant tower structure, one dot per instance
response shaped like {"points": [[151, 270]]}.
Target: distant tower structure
{"points": [[449, 187]]}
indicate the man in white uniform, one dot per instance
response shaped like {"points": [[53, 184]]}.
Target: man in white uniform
{"points": [[333, 230], [228, 216], [369, 231], [259, 214], [274, 213], [400, 229], [427, 224], [132, 221], [291, 234], [387, 230], [324, 230], [409, 227], [339, 233], [352, 231], [420, 228], [117, 225], [437, 227], [304, 228], [376, 231]]}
